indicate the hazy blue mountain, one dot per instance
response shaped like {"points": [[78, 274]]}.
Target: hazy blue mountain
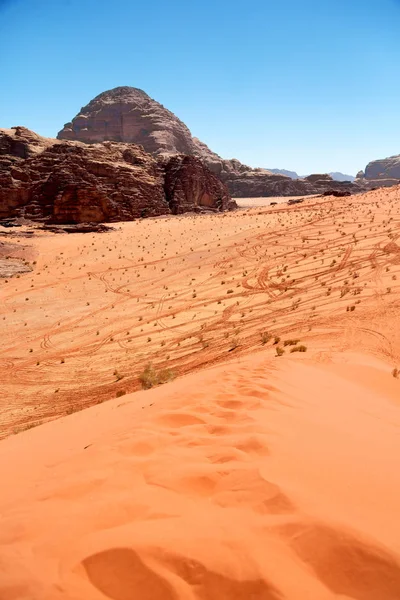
{"points": [[291, 174], [336, 176], [341, 177]]}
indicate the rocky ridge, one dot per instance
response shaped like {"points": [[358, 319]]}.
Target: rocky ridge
{"points": [[384, 172], [72, 182], [129, 115], [336, 175]]}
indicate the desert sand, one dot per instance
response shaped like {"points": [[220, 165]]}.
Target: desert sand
{"points": [[259, 477], [266, 201]]}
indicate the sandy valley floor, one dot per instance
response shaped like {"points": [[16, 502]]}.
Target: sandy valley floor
{"points": [[264, 477]]}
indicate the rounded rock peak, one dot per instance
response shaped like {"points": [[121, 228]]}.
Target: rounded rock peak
{"points": [[121, 93]]}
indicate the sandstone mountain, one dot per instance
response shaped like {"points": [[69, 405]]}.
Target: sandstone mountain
{"points": [[72, 182], [381, 173], [129, 115]]}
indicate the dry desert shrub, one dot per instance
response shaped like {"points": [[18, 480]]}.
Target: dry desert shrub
{"points": [[235, 342], [290, 342], [150, 377], [301, 348], [265, 337]]}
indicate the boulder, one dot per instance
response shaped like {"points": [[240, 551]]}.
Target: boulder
{"points": [[337, 193]]}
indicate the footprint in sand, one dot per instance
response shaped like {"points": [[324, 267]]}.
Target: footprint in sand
{"points": [[121, 574], [249, 489], [225, 402], [176, 419], [253, 445], [222, 456], [345, 564]]}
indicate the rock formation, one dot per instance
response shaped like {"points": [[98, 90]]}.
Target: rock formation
{"points": [[258, 184], [127, 114], [336, 175], [318, 178], [387, 168], [72, 182], [381, 173], [291, 174], [188, 183]]}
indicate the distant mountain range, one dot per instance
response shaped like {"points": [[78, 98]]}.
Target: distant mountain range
{"points": [[291, 174], [341, 176], [336, 176]]}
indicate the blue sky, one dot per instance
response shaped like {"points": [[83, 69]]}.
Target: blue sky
{"points": [[309, 86]]}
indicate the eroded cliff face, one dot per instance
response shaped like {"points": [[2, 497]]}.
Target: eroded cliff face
{"points": [[189, 183], [72, 182], [258, 184], [386, 168], [380, 173], [127, 114]]}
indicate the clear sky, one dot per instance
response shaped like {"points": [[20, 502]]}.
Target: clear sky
{"points": [[310, 85]]}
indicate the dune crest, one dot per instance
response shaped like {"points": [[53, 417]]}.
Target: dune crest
{"points": [[175, 493], [272, 474]]}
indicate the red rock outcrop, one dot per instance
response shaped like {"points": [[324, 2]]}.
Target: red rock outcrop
{"points": [[188, 183], [258, 184], [72, 182], [386, 170], [127, 114], [380, 173]]}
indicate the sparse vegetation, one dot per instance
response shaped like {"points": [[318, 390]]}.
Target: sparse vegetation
{"points": [[118, 375], [150, 377], [235, 342], [301, 348], [265, 337], [290, 342]]}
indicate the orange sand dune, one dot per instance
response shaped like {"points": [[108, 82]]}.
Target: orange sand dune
{"points": [[186, 292], [260, 477], [264, 479]]}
